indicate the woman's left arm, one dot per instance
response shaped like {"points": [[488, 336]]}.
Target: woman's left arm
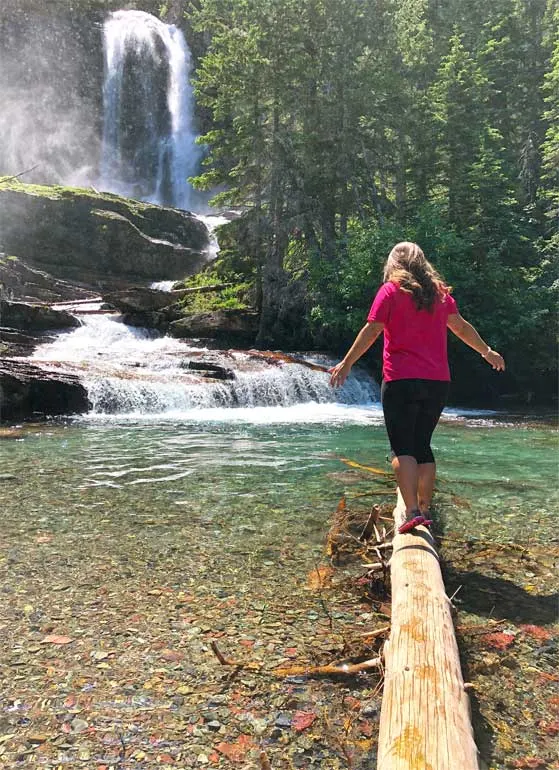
{"points": [[363, 342]]}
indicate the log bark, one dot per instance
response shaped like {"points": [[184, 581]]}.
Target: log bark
{"points": [[425, 717]]}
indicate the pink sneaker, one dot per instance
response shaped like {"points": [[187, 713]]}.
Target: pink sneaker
{"points": [[412, 523]]}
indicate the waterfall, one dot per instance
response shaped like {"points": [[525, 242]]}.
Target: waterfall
{"points": [[131, 371], [149, 148]]}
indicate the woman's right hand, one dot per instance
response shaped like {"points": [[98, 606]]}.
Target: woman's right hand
{"points": [[339, 374], [495, 360]]}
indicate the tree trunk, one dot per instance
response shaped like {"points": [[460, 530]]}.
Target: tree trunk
{"points": [[425, 717]]}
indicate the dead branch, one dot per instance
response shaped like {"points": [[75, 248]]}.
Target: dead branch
{"points": [[345, 669], [367, 468], [236, 663], [477, 631], [371, 523], [375, 633], [264, 761], [5, 179]]}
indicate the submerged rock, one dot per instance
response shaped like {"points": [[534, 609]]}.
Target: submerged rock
{"points": [[28, 390], [95, 238]]}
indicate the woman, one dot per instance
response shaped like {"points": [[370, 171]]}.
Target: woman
{"points": [[414, 308]]}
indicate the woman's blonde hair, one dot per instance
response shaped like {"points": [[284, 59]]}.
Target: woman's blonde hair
{"points": [[406, 265]]}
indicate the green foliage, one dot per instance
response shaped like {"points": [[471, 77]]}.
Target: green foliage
{"points": [[236, 296], [550, 146], [341, 127], [344, 292], [233, 267]]}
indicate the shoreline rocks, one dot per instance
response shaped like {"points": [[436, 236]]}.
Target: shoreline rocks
{"points": [[28, 390]]}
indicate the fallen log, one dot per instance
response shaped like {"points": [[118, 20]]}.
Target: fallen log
{"points": [[425, 717]]}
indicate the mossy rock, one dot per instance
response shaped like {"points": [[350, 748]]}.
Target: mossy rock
{"points": [[96, 237]]}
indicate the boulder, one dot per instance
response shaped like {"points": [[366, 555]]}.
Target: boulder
{"points": [[28, 390], [27, 317], [230, 327], [211, 370], [138, 299], [99, 238]]}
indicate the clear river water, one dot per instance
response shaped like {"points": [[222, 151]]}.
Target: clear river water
{"points": [[270, 470]]}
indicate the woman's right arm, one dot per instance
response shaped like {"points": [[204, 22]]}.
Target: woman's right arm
{"points": [[363, 342], [466, 332]]}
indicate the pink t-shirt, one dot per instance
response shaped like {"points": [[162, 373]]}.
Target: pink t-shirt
{"points": [[414, 340]]}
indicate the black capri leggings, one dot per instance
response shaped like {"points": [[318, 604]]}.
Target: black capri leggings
{"points": [[411, 412]]}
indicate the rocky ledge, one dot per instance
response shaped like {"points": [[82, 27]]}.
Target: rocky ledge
{"points": [[162, 310], [29, 390], [23, 326], [20, 282], [30, 317]]}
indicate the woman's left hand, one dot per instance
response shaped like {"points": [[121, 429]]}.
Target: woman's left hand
{"points": [[495, 360], [339, 374]]}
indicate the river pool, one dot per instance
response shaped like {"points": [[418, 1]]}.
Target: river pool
{"points": [[131, 545]]}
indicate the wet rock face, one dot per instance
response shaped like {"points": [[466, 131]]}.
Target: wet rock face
{"points": [[27, 390], [98, 239]]}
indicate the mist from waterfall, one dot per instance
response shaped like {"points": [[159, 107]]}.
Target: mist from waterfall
{"points": [[50, 82], [149, 149]]}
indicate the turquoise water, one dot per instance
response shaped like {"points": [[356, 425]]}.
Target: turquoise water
{"points": [[270, 472], [139, 543]]}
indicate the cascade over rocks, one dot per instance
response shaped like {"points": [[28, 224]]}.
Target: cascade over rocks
{"points": [[99, 239]]}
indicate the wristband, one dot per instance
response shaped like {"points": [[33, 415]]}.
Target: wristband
{"points": [[487, 352]]}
